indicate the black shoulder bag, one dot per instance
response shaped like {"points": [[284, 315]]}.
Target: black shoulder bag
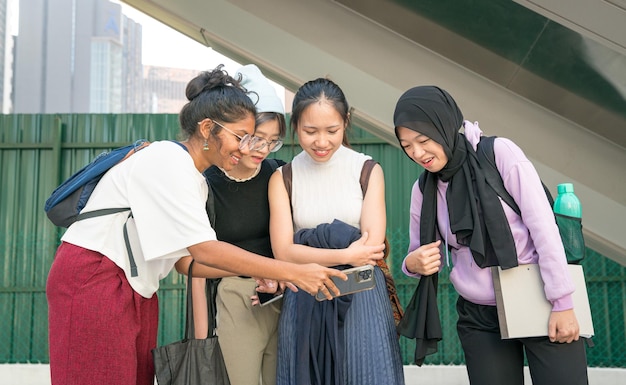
{"points": [[191, 361]]}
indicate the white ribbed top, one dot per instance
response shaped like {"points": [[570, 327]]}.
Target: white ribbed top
{"points": [[322, 192]]}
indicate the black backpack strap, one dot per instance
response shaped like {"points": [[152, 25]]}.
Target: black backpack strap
{"points": [[548, 194], [487, 161], [101, 212], [129, 250]]}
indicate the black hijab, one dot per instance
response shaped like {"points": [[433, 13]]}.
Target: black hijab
{"points": [[476, 215], [431, 111]]}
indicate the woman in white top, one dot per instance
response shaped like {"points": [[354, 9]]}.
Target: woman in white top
{"points": [[103, 319], [351, 339]]}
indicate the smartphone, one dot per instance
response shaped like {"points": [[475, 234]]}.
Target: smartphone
{"points": [[267, 298], [359, 279]]}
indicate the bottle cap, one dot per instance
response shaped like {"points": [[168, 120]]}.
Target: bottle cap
{"points": [[565, 188]]}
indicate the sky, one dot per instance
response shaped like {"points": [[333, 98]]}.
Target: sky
{"points": [[166, 47]]}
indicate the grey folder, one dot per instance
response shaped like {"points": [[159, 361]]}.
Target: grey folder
{"points": [[523, 309]]}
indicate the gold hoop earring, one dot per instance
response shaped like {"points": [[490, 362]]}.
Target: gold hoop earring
{"points": [[206, 145]]}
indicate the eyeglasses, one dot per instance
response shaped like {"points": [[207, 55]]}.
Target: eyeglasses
{"points": [[243, 140], [258, 143]]}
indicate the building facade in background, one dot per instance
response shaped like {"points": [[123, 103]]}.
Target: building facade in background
{"points": [[132, 82], [165, 88], [73, 57], [82, 57], [85, 57]]}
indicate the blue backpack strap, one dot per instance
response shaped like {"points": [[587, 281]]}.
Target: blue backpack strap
{"points": [[181, 145]]}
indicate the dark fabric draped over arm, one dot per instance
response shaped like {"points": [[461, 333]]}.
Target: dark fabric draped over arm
{"points": [[320, 338]]}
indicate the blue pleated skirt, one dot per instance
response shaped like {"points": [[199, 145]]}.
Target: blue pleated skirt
{"points": [[372, 351]]}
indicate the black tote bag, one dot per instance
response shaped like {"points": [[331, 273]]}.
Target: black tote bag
{"points": [[191, 361]]}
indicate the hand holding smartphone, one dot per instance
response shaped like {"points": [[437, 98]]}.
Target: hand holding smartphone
{"points": [[267, 298], [359, 278]]}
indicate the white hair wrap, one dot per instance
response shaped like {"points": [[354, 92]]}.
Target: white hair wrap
{"points": [[260, 91]]}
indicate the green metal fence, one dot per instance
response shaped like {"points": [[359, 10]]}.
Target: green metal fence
{"points": [[38, 151]]}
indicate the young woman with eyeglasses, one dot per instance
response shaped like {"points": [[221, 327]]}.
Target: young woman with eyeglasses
{"points": [[103, 320], [247, 334]]}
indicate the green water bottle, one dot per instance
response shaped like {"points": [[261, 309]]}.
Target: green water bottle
{"points": [[566, 202], [568, 212]]}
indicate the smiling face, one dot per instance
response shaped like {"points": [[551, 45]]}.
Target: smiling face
{"points": [[268, 131], [228, 154], [422, 149], [320, 130]]}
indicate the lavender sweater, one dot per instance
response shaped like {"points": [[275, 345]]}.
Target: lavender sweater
{"points": [[536, 238]]}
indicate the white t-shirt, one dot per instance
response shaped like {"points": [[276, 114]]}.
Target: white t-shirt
{"points": [[167, 196]]}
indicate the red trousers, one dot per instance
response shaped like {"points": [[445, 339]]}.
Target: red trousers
{"points": [[100, 330]]}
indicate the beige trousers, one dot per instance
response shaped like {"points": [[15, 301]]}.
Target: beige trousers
{"points": [[248, 335]]}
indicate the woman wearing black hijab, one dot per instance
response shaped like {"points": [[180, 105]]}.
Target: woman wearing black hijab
{"points": [[457, 220]]}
